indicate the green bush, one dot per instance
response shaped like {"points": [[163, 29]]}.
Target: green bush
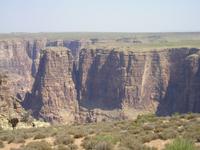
{"points": [[107, 138], [181, 144]]}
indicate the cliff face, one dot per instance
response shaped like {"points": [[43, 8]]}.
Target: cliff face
{"points": [[19, 59], [88, 85], [163, 82], [10, 106], [115, 79], [16, 63], [183, 85], [53, 95]]}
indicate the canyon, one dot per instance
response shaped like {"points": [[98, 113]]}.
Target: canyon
{"points": [[65, 81]]}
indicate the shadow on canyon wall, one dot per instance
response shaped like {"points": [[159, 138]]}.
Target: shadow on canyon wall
{"points": [[103, 84]]}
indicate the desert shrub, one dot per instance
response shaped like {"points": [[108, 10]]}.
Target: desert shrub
{"points": [[107, 137], [42, 145], [39, 136], [19, 140], [72, 147], [158, 129], [146, 118], [168, 134], [62, 147], [1, 144], [10, 139], [190, 116], [194, 135], [64, 139], [181, 144], [13, 122], [26, 117], [180, 129], [103, 127], [149, 137], [79, 134], [6, 137], [91, 131], [137, 146], [103, 146], [21, 134], [98, 142], [135, 130], [165, 125], [16, 149], [89, 144], [131, 143], [176, 114], [148, 126], [122, 148]]}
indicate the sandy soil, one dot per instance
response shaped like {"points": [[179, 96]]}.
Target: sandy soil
{"points": [[78, 142], [158, 143]]}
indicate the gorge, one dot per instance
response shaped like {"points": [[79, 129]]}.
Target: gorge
{"points": [[66, 81]]}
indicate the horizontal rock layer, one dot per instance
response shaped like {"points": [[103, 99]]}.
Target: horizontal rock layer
{"points": [[66, 85]]}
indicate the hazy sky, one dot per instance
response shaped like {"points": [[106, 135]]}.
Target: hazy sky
{"points": [[99, 15]]}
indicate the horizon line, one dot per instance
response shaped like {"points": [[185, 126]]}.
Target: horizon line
{"points": [[99, 32]]}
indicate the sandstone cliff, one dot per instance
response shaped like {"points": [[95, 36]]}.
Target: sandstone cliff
{"points": [[53, 96], [88, 85], [156, 81]]}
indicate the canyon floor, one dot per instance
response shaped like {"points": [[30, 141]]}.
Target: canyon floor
{"points": [[147, 132]]}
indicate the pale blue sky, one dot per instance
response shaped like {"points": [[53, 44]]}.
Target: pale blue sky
{"points": [[99, 15]]}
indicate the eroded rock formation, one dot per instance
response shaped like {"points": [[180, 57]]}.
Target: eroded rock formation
{"points": [[157, 81], [88, 85], [53, 96]]}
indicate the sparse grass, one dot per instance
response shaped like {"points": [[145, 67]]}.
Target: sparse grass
{"points": [[42, 145], [103, 146], [181, 144], [123, 135], [64, 139], [39, 136]]}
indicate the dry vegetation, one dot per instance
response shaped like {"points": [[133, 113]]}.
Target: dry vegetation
{"points": [[179, 132]]}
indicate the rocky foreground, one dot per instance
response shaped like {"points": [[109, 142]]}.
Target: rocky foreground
{"points": [[63, 81]]}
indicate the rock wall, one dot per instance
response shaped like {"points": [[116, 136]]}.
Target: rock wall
{"points": [[53, 96], [88, 85], [16, 63], [164, 81], [10, 106], [181, 94]]}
